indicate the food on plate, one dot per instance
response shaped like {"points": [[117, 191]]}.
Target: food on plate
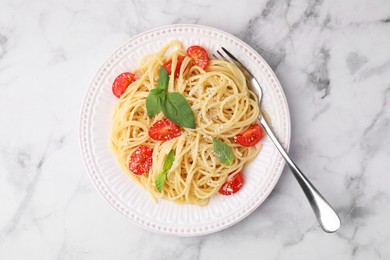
{"points": [[184, 125]]}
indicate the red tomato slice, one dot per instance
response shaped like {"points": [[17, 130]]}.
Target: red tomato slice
{"points": [[168, 66], [198, 55], [232, 184], [250, 137], [164, 130], [141, 160], [122, 82]]}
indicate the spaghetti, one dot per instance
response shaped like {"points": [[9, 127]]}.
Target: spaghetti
{"points": [[223, 107]]}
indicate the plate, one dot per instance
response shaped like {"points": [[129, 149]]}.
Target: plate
{"points": [[131, 200]]}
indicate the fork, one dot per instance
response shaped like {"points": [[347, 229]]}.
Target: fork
{"points": [[324, 212]]}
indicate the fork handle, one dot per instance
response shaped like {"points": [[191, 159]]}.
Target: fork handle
{"points": [[325, 214]]}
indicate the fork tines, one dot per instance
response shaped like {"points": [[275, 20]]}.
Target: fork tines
{"points": [[232, 59]]}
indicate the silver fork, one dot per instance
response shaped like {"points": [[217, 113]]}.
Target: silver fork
{"points": [[324, 212]]}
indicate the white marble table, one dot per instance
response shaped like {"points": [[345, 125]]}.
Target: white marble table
{"points": [[333, 60]]}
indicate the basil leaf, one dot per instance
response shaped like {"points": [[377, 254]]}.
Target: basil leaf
{"points": [[161, 177], [163, 79], [177, 110], [169, 160], [154, 102], [223, 152], [162, 96], [160, 180]]}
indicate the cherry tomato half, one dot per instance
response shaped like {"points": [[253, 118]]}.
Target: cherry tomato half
{"points": [[122, 82], [198, 55], [141, 160], [164, 130], [168, 66], [250, 137], [232, 184]]}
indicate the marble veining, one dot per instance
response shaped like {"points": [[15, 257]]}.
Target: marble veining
{"points": [[332, 59]]}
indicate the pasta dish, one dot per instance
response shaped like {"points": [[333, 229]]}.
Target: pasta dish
{"points": [[185, 125]]}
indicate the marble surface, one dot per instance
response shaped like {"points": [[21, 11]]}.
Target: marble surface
{"points": [[333, 60]]}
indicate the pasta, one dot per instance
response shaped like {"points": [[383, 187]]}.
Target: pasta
{"points": [[223, 107]]}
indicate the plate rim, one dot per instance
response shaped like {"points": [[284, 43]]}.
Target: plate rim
{"points": [[85, 150]]}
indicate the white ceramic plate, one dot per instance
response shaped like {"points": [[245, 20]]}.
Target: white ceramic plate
{"points": [[129, 199]]}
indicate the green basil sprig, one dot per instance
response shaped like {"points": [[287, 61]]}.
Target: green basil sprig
{"points": [[161, 177], [223, 152], [174, 105]]}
